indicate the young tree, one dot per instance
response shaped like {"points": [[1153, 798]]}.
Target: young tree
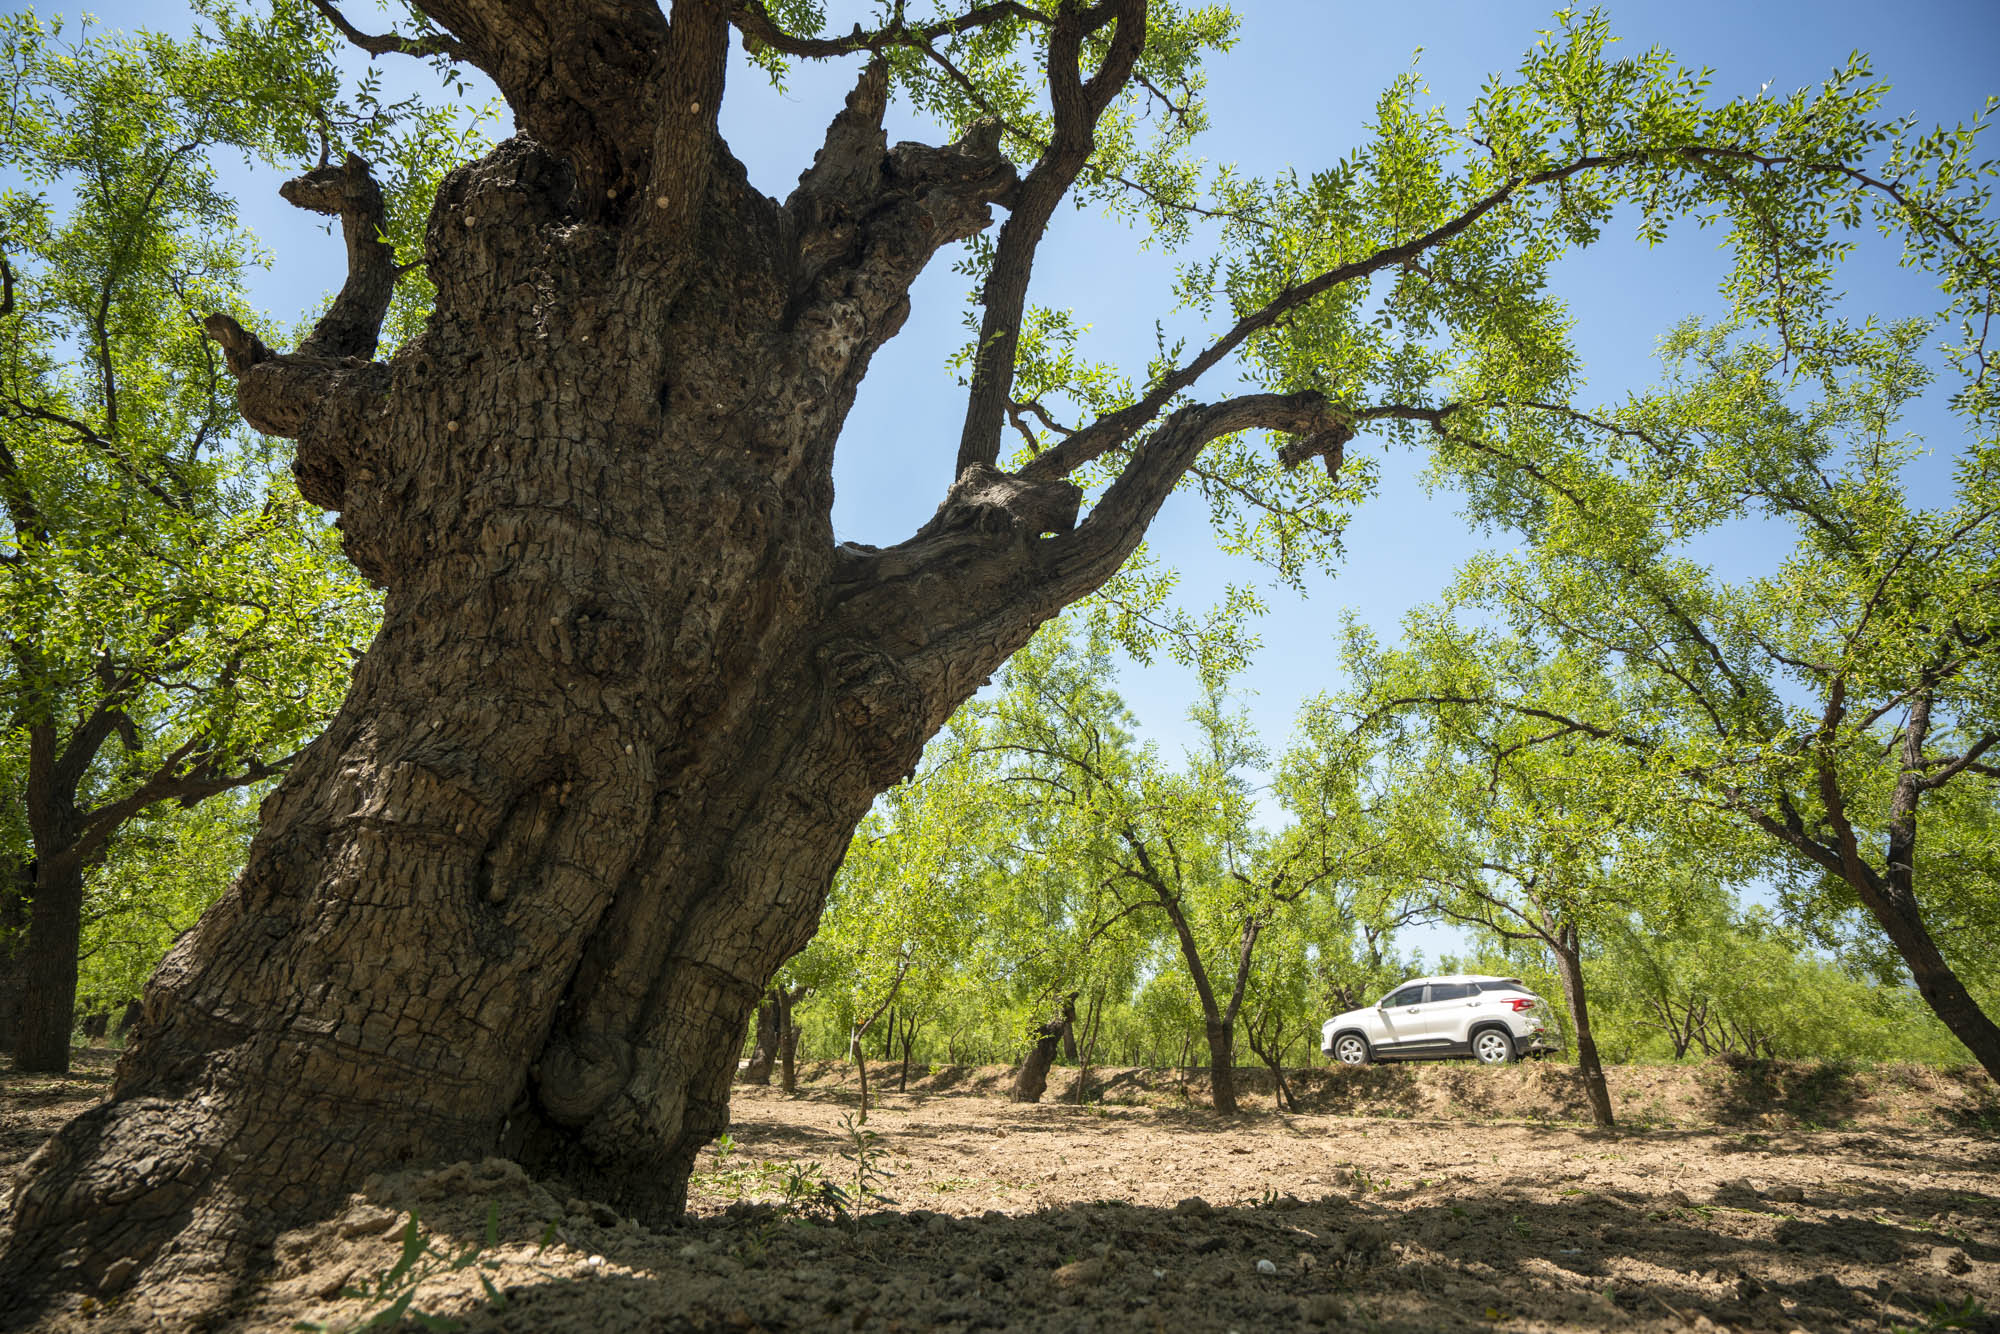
{"points": [[905, 903], [630, 699], [1521, 822], [178, 621], [1842, 706]]}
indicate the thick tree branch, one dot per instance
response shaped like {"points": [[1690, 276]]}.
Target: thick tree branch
{"points": [[754, 21], [168, 783], [353, 324], [1077, 105], [583, 78], [685, 139], [301, 395], [395, 43]]}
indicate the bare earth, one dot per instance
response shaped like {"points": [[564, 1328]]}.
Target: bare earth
{"points": [[1472, 1203]]}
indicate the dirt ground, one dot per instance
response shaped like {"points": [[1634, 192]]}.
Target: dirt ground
{"points": [[1401, 1199]]}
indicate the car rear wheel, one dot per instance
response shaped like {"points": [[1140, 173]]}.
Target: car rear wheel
{"points": [[1492, 1046], [1350, 1049]]}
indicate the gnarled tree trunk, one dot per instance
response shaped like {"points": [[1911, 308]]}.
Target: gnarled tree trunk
{"points": [[1032, 1079], [629, 699]]}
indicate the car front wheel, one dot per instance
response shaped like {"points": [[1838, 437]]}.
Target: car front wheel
{"points": [[1490, 1046], [1350, 1049]]}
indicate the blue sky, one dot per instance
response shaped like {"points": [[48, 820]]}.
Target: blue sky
{"points": [[1296, 92]]}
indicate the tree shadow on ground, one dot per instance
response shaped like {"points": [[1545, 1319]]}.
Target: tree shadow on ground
{"points": [[1741, 1091], [1469, 1261]]}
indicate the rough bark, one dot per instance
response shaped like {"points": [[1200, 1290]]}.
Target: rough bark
{"points": [[1569, 966], [48, 967], [592, 781], [1032, 1079], [764, 1051]]}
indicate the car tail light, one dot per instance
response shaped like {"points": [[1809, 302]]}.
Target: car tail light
{"points": [[1519, 1003]]}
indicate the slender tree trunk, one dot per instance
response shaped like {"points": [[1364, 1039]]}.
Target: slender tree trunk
{"points": [[1264, 1042], [48, 967], [1569, 965], [1895, 907], [1093, 1016], [1032, 1079], [764, 1052], [909, 1041], [861, 1064], [1222, 1065], [788, 1040]]}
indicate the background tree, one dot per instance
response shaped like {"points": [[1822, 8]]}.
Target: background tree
{"points": [[630, 700], [907, 898], [1840, 705], [1516, 821], [177, 621]]}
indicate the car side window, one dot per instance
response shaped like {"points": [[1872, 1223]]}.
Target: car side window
{"points": [[1407, 996], [1449, 991]]}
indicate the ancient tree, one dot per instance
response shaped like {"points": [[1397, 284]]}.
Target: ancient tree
{"points": [[630, 698]]}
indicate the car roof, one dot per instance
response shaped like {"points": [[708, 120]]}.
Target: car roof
{"points": [[1457, 977]]}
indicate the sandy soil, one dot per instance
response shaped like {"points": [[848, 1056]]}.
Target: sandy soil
{"points": [[1152, 1217]]}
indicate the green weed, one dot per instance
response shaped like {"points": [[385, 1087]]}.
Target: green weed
{"points": [[396, 1287]]}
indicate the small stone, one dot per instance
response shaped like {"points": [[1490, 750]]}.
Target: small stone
{"points": [[1306, 1261], [595, 1262], [1194, 1206], [118, 1275], [1081, 1273], [1266, 1267], [1950, 1259]]}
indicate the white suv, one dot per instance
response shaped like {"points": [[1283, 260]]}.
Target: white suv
{"points": [[1491, 1019]]}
